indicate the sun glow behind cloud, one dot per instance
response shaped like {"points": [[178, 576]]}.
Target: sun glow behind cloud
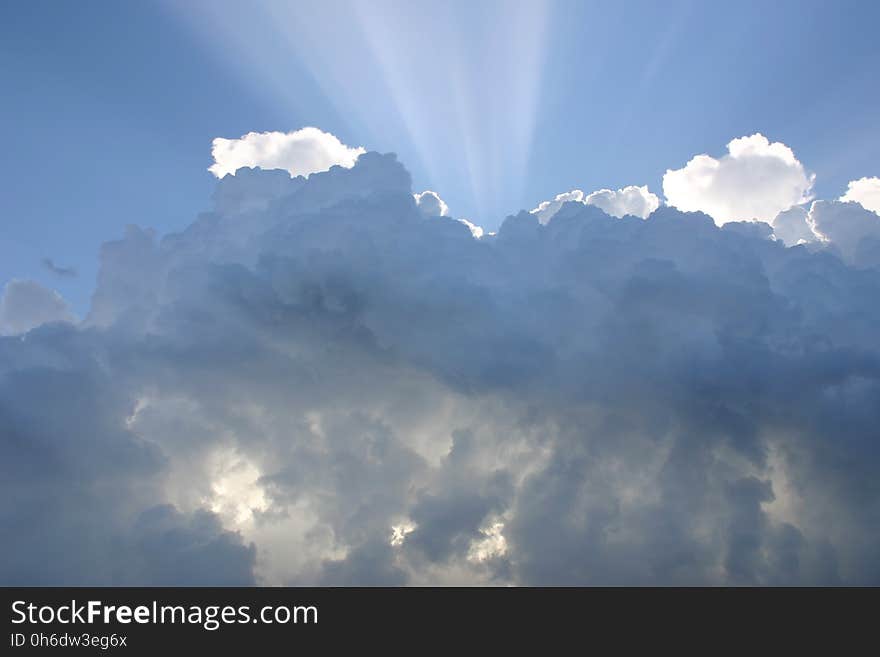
{"points": [[414, 78]]}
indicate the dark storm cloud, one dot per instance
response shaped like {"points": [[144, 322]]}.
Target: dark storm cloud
{"points": [[317, 383]]}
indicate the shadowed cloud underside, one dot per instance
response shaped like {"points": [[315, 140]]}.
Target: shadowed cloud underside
{"points": [[326, 380]]}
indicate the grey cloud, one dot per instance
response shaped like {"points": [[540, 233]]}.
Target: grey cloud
{"points": [[431, 204], [63, 272], [26, 304], [792, 228], [314, 368], [850, 228]]}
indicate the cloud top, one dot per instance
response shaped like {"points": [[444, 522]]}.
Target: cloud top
{"points": [[26, 304], [346, 389], [631, 200], [300, 153], [756, 180], [430, 204], [865, 192]]}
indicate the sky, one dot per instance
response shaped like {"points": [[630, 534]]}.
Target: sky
{"points": [[439, 294], [496, 106]]}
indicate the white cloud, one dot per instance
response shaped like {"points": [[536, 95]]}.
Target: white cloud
{"points": [[476, 231], [26, 304], [300, 152], [546, 209], [865, 192], [756, 179], [631, 200], [430, 204]]}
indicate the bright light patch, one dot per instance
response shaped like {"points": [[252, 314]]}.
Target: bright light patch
{"points": [[493, 544], [400, 532], [236, 493]]}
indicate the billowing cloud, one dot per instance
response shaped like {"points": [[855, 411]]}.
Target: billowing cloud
{"points": [[341, 390], [755, 180], [631, 200], [430, 204], [26, 304], [851, 230], [476, 231], [300, 153], [792, 228], [864, 191], [546, 209]]}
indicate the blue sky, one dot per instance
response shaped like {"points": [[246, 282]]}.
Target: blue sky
{"points": [[109, 108]]}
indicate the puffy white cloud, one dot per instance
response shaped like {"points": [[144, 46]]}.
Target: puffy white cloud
{"points": [[430, 204], [631, 200], [341, 391], [300, 153], [866, 192], [26, 304], [756, 179]]}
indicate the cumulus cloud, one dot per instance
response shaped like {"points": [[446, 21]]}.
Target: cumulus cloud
{"points": [[300, 153], [341, 390], [631, 200], [430, 204], [792, 228], [476, 231], [866, 192], [546, 209], [851, 230], [755, 180], [26, 304]]}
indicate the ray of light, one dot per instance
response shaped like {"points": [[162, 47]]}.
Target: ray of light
{"points": [[454, 86]]}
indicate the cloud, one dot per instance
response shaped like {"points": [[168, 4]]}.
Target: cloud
{"points": [[341, 390], [431, 204], [300, 153], [849, 228], [62, 272], [80, 487], [866, 192], [755, 180], [792, 228], [476, 231], [546, 209], [26, 304], [631, 200]]}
